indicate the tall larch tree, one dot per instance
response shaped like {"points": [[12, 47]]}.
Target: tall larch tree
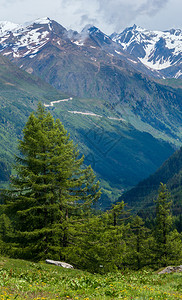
{"points": [[163, 223], [50, 187]]}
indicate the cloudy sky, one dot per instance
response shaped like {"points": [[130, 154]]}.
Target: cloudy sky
{"points": [[108, 15]]}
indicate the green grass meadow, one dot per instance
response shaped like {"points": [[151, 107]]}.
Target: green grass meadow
{"points": [[27, 280]]}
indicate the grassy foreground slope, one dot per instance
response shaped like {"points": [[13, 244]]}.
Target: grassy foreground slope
{"points": [[27, 280]]}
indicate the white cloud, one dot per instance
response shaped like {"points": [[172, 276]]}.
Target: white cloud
{"points": [[108, 15], [114, 13]]}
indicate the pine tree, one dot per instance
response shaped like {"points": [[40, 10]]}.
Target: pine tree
{"points": [[6, 232], [97, 241], [99, 244], [138, 243], [163, 223], [50, 186]]}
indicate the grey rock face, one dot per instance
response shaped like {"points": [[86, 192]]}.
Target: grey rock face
{"points": [[59, 263], [171, 269]]}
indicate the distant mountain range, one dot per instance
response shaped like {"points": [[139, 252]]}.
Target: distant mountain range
{"points": [[124, 116], [91, 64], [157, 53]]}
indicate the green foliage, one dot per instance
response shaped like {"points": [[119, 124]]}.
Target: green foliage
{"points": [[6, 231], [163, 222], [168, 243], [47, 211], [174, 248], [163, 213], [139, 241], [97, 245], [95, 242], [140, 198], [177, 221], [50, 186]]}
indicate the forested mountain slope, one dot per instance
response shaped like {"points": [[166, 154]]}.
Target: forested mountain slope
{"points": [[120, 154], [19, 95], [170, 173]]}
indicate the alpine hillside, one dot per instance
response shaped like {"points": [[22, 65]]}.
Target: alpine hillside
{"points": [[120, 154], [20, 93], [91, 65], [123, 116], [141, 198]]}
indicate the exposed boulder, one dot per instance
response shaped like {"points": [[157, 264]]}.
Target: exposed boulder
{"points": [[59, 263], [171, 269]]}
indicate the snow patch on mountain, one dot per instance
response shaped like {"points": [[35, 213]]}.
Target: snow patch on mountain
{"points": [[157, 65], [44, 20], [84, 113], [118, 52], [58, 101], [41, 21], [78, 43], [178, 74], [133, 61], [31, 37]]}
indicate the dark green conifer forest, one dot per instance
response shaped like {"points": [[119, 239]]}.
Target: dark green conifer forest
{"points": [[49, 210]]}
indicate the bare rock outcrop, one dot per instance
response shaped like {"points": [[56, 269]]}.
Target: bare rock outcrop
{"points": [[171, 269], [59, 263]]}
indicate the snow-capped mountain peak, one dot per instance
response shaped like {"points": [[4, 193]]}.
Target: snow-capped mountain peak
{"points": [[27, 39], [90, 36], [6, 27], [88, 28], [156, 53], [158, 50], [39, 21], [44, 20]]}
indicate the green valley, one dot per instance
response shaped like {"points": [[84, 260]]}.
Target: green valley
{"points": [[141, 197], [116, 150]]}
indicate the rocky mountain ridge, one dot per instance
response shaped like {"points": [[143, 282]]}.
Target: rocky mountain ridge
{"points": [[155, 53], [157, 50], [18, 42]]}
